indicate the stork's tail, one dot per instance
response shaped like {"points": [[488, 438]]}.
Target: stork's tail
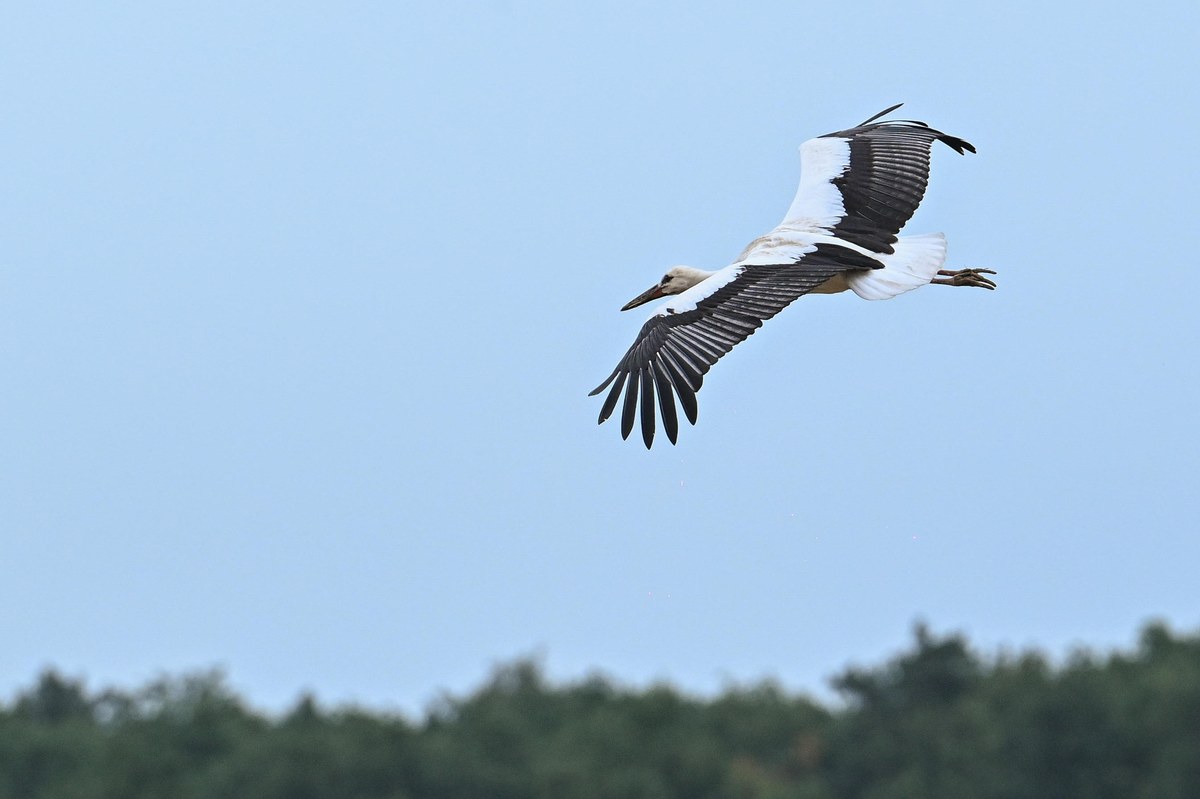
{"points": [[914, 263]]}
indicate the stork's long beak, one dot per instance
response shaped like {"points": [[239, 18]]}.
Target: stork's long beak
{"points": [[653, 294]]}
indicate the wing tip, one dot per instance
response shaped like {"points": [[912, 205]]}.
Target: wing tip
{"points": [[960, 146], [647, 406], [604, 385], [882, 113]]}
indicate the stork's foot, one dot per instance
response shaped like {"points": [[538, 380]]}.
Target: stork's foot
{"points": [[966, 277]]}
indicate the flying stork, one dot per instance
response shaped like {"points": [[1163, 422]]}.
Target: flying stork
{"points": [[858, 188]]}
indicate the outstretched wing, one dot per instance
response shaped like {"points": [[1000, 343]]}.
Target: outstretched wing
{"points": [[681, 342], [863, 184]]}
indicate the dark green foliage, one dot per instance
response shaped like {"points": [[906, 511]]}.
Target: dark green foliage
{"points": [[936, 722]]}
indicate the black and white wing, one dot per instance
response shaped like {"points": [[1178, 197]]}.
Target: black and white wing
{"points": [[681, 342], [863, 184]]}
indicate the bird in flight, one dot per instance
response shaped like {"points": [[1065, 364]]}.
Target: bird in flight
{"points": [[858, 188]]}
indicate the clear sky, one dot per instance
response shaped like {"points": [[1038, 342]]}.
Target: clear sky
{"points": [[300, 304]]}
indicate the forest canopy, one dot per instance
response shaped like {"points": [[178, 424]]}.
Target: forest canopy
{"points": [[937, 720]]}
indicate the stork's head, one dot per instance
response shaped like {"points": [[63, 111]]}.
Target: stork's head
{"points": [[677, 280]]}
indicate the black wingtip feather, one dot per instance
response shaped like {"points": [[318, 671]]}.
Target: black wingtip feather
{"points": [[630, 407], [960, 146], [685, 389], [688, 401], [610, 402], [666, 402], [603, 385], [597, 389], [882, 113], [647, 408]]}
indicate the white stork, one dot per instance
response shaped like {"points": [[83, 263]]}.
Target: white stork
{"points": [[858, 188]]}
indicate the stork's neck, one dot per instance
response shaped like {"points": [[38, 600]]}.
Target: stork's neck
{"points": [[691, 276]]}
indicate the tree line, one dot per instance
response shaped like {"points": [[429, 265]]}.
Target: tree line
{"points": [[936, 721]]}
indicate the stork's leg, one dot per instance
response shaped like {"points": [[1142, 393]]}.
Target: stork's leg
{"points": [[965, 277]]}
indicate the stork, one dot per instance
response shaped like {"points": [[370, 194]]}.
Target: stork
{"points": [[858, 188]]}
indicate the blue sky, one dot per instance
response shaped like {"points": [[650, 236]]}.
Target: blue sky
{"points": [[300, 305]]}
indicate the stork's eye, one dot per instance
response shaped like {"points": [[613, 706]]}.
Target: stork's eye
{"points": [[666, 279]]}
